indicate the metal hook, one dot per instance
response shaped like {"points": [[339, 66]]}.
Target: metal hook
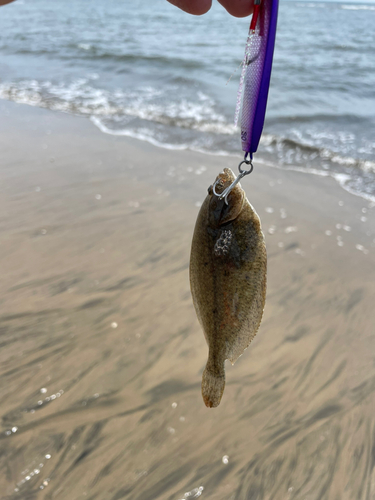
{"points": [[242, 173]]}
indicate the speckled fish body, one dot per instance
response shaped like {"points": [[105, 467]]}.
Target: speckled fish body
{"points": [[228, 270]]}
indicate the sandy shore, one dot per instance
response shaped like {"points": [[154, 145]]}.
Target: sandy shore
{"points": [[101, 353]]}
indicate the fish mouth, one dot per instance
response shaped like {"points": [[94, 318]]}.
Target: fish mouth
{"points": [[227, 183], [224, 180]]}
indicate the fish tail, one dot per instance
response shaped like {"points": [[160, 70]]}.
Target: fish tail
{"points": [[213, 383]]}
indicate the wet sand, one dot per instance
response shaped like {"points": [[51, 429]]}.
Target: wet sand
{"points": [[101, 353]]}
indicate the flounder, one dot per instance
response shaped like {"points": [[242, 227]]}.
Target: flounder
{"points": [[228, 276]]}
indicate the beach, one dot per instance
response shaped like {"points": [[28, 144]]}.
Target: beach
{"points": [[101, 352]]}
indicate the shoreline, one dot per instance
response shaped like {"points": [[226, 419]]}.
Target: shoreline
{"points": [[340, 178], [95, 242]]}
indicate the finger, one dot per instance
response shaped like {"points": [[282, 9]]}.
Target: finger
{"points": [[196, 7], [238, 8]]}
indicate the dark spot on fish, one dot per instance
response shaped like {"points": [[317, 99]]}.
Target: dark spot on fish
{"points": [[223, 244]]}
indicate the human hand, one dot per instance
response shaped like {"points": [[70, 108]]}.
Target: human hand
{"points": [[238, 8]]}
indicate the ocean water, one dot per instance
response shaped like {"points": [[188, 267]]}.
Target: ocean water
{"points": [[147, 70]]}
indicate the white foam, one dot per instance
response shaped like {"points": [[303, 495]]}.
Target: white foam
{"points": [[340, 178], [358, 7], [145, 103], [142, 135], [84, 46], [312, 5], [124, 106]]}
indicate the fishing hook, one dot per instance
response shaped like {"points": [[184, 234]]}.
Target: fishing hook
{"points": [[242, 173]]}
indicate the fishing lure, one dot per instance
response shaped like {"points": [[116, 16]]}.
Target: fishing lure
{"points": [[254, 83], [256, 74]]}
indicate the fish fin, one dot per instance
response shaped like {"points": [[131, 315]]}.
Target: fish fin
{"points": [[212, 387], [248, 330], [256, 284], [239, 348]]}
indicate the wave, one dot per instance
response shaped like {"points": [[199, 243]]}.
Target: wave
{"points": [[94, 53], [311, 5], [323, 117], [165, 119], [315, 152], [358, 7], [345, 181], [145, 103], [141, 135], [89, 51], [133, 112], [332, 5]]}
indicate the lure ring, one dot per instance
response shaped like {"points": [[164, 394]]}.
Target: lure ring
{"points": [[246, 172]]}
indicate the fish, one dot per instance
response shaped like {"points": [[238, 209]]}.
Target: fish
{"points": [[228, 279]]}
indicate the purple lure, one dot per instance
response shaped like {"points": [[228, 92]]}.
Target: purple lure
{"points": [[256, 73]]}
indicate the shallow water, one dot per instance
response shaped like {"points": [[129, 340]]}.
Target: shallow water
{"points": [[147, 70]]}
